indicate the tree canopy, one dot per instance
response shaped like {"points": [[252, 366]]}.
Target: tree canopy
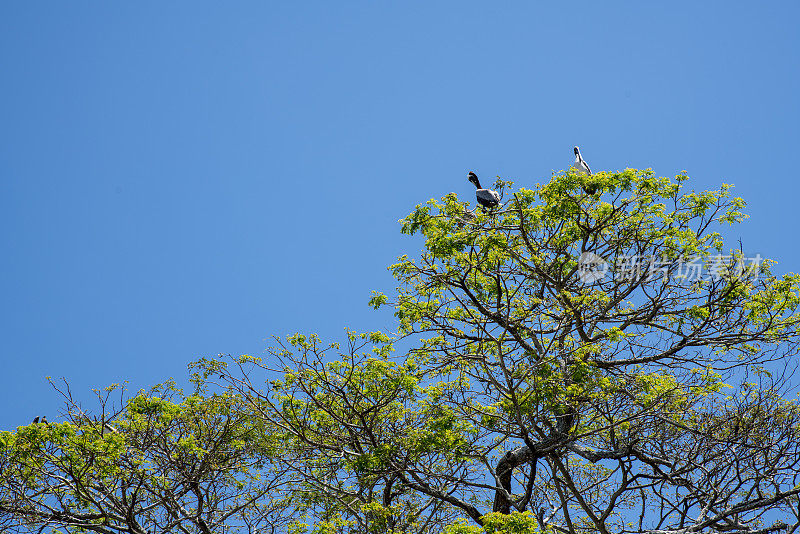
{"points": [[565, 362]]}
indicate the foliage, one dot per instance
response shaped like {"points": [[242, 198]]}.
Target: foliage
{"points": [[161, 461], [515, 397]]}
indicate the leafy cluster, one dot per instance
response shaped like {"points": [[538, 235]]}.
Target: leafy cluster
{"points": [[517, 396]]}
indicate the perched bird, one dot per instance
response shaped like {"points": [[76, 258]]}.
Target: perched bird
{"points": [[486, 197], [44, 419], [581, 166], [35, 420]]}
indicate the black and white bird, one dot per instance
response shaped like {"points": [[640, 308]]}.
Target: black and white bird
{"points": [[582, 166], [35, 420], [486, 197], [44, 419], [579, 164]]}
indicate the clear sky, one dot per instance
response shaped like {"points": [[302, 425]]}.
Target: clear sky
{"points": [[181, 179]]}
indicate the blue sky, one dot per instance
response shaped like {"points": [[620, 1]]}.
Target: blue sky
{"points": [[181, 179]]}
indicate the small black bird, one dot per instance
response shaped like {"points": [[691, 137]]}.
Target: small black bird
{"points": [[486, 197], [44, 419], [582, 166], [35, 420]]}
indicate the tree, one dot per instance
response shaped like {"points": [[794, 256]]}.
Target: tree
{"points": [[160, 461], [529, 390]]}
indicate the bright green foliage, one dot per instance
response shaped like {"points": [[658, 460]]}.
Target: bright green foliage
{"points": [[516, 351], [494, 523], [164, 462], [516, 397]]}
